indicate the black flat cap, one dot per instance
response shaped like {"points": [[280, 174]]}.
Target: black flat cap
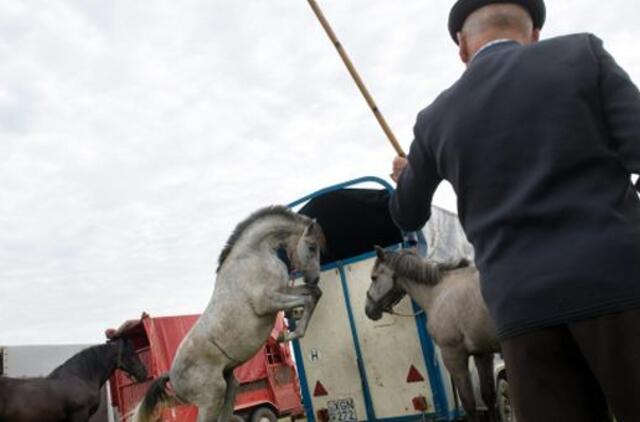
{"points": [[463, 8]]}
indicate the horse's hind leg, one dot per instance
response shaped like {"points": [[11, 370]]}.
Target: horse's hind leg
{"points": [[484, 364], [229, 396], [210, 400], [457, 363], [211, 411]]}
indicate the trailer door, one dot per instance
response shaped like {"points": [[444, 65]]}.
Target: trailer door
{"points": [[395, 363], [355, 369]]}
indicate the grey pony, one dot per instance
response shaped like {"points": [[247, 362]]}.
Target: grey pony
{"points": [[458, 319], [252, 286]]}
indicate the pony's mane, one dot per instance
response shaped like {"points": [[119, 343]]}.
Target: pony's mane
{"points": [[271, 211], [84, 359], [408, 264]]}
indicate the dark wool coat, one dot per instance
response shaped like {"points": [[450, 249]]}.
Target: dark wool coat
{"points": [[539, 143]]}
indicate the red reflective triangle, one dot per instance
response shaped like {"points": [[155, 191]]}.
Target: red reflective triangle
{"points": [[414, 375], [319, 390]]}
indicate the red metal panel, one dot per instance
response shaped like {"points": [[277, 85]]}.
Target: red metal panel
{"points": [[254, 369], [249, 399], [164, 335]]}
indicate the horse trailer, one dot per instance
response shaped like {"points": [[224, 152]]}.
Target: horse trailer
{"points": [[352, 368], [269, 386]]}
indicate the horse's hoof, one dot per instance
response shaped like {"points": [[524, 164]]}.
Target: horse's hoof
{"points": [[297, 313]]}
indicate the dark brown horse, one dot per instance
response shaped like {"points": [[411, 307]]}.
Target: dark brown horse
{"points": [[71, 393]]}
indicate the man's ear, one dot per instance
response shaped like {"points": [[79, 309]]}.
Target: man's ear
{"points": [[463, 49], [535, 35]]}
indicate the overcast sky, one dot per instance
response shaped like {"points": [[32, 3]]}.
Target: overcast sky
{"points": [[134, 135]]}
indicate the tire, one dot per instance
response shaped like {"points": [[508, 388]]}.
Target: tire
{"points": [[505, 411], [263, 414]]}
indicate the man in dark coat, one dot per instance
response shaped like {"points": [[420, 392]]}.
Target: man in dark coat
{"points": [[540, 141]]}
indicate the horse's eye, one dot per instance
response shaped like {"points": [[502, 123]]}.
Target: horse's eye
{"points": [[313, 248], [374, 278]]}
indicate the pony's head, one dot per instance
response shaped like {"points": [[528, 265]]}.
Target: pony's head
{"points": [[307, 253], [384, 292], [275, 227], [128, 359], [392, 270]]}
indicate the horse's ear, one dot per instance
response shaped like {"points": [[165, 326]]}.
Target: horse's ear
{"points": [[111, 334], [380, 252], [314, 230], [311, 228]]}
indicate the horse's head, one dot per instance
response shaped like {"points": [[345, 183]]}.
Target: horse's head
{"points": [[307, 254], [128, 359], [384, 292]]}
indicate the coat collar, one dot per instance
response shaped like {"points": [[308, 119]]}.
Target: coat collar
{"points": [[493, 46]]}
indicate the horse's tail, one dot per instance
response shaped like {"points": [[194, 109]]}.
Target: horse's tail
{"points": [[156, 394]]}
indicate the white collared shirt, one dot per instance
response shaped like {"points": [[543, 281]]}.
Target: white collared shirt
{"points": [[490, 44]]}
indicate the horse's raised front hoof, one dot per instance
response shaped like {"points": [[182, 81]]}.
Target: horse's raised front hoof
{"points": [[297, 313]]}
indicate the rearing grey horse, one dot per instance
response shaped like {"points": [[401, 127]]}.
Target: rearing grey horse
{"points": [[252, 286], [458, 319]]}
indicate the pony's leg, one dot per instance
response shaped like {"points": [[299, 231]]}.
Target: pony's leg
{"points": [[484, 364], [229, 396], [314, 293], [210, 399], [287, 299], [457, 363], [209, 413], [275, 301]]}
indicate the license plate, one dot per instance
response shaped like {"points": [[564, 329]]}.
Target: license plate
{"points": [[343, 410]]}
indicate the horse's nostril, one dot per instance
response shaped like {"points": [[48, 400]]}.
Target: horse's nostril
{"points": [[372, 314]]}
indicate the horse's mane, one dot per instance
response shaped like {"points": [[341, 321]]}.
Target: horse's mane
{"points": [[274, 210], [408, 264], [88, 358]]}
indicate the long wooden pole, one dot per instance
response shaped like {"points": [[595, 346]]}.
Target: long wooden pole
{"points": [[356, 77]]}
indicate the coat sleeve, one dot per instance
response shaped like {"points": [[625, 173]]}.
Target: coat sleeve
{"points": [[621, 105], [410, 205]]}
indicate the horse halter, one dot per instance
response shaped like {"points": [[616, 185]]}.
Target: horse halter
{"points": [[393, 296], [389, 299], [283, 256]]}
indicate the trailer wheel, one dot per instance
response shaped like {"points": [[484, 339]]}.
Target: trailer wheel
{"points": [[263, 414], [504, 403]]}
